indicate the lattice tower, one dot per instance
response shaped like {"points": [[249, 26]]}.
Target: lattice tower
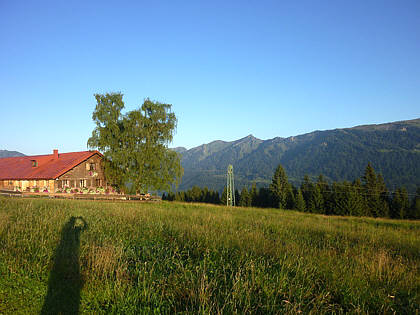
{"points": [[230, 186]]}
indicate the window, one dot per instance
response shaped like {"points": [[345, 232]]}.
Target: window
{"points": [[34, 163], [82, 183], [65, 183], [98, 183], [92, 167]]}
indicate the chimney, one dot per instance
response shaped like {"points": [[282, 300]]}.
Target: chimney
{"points": [[55, 153]]}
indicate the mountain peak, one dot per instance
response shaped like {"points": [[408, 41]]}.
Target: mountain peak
{"points": [[179, 149], [249, 137]]}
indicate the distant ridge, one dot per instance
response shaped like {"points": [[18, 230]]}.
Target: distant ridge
{"points": [[6, 153], [339, 154]]}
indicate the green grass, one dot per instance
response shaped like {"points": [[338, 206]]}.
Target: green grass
{"points": [[129, 257]]}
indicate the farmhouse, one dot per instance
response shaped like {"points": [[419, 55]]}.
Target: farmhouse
{"points": [[52, 172]]}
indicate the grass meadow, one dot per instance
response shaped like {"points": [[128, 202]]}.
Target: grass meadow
{"points": [[73, 256]]}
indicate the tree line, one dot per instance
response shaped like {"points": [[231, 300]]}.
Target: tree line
{"points": [[365, 196]]}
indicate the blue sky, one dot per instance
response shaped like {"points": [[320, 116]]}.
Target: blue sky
{"points": [[230, 68]]}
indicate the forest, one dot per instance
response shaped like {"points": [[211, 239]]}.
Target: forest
{"points": [[365, 196]]}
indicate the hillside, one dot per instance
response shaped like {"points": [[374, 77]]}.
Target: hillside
{"points": [[340, 154], [6, 153], [101, 257]]}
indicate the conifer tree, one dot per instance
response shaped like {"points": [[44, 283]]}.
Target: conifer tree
{"points": [[325, 192], [245, 199], [357, 203], [300, 202], [254, 195], [205, 195], [195, 194], [415, 206], [280, 187], [384, 198], [400, 204], [347, 200], [307, 189], [375, 193], [290, 199], [223, 199], [316, 204], [237, 197]]}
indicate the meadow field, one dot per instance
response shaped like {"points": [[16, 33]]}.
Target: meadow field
{"points": [[98, 257]]}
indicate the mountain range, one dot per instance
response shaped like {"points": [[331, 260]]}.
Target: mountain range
{"points": [[6, 153], [393, 149]]}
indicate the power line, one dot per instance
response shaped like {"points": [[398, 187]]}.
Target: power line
{"points": [[391, 189]]}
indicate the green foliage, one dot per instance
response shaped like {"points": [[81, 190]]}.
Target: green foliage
{"points": [[400, 204], [135, 144], [341, 198], [223, 198], [415, 206], [307, 188], [195, 194], [280, 187], [245, 198], [316, 203], [375, 192], [326, 193], [145, 258], [300, 202], [347, 199], [291, 199], [254, 195]]}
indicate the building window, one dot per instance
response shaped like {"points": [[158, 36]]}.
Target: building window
{"points": [[98, 182], [90, 166], [10, 183], [82, 183], [65, 183], [34, 163]]}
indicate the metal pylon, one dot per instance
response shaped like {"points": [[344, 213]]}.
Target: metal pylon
{"points": [[230, 187]]}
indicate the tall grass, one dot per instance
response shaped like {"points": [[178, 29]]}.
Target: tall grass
{"points": [[174, 257]]}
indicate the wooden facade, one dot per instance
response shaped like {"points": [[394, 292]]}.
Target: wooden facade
{"points": [[87, 174]]}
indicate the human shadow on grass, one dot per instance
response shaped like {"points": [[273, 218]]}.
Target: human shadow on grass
{"points": [[65, 281]]}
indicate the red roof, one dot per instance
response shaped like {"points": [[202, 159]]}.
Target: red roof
{"points": [[49, 166]]}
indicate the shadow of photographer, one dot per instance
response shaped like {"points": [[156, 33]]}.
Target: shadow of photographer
{"points": [[65, 281]]}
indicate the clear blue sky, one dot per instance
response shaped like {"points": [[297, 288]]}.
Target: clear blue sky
{"points": [[230, 68]]}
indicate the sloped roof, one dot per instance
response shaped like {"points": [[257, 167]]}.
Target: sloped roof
{"points": [[49, 166]]}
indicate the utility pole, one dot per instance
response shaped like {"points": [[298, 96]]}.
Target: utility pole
{"points": [[230, 187]]}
